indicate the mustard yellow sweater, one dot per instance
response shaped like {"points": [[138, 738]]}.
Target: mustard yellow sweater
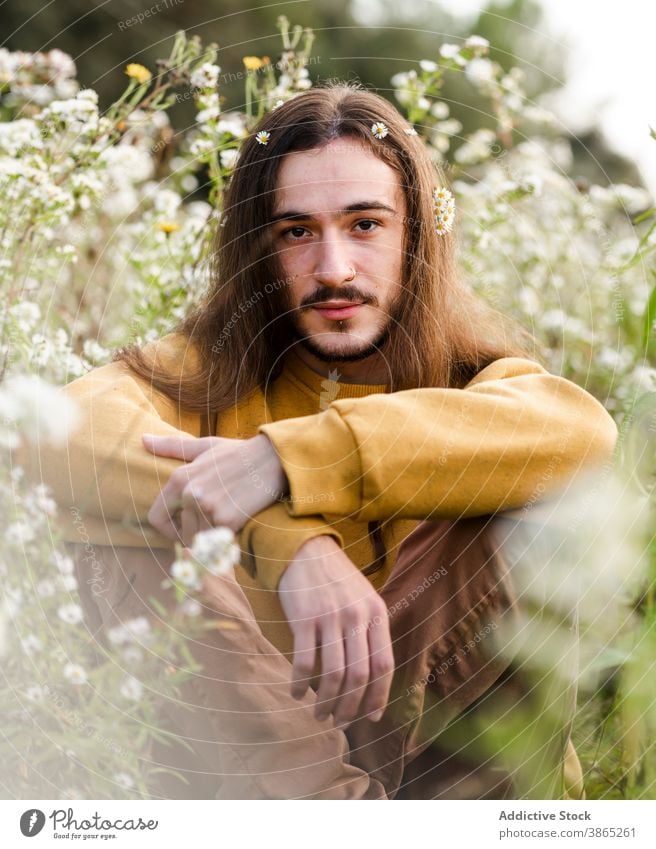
{"points": [[351, 452]]}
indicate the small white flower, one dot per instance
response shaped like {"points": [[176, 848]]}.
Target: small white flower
{"points": [[379, 130], [45, 588], [68, 583], [31, 644], [184, 572], [263, 137], [477, 43], [34, 693], [124, 780], [74, 673], [191, 607], [228, 158], [444, 210], [427, 65], [71, 613], [19, 533], [216, 549], [410, 131], [132, 689], [40, 500], [63, 563], [129, 631], [449, 51], [480, 71], [207, 76], [132, 655], [278, 103]]}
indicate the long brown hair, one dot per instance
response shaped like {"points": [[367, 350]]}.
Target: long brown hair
{"points": [[443, 335]]}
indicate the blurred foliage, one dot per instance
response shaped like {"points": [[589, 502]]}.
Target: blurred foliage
{"points": [[355, 39]]}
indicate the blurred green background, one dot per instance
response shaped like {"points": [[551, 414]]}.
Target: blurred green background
{"points": [[355, 39]]}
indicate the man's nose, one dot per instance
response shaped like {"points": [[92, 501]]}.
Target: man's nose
{"points": [[332, 264]]}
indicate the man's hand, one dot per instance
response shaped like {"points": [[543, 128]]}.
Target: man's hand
{"points": [[224, 482], [332, 607]]}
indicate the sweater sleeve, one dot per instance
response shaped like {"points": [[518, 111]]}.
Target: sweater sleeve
{"points": [[105, 481], [514, 434]]}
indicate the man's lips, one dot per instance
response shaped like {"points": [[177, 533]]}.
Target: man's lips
{"points": [[337, 309]]}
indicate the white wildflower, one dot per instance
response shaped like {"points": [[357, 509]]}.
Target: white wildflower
{"points": [[72, 613], [19, 533], [31, 644], [449, 51], [34, 693], [40, 500], [45, 588], [40, 410], [124, 780], [232, 123], [477, 43], [216, 549], [480, 71], [132, 689], [63, 562], [228, 158], [184, 572], [440, 110], [74, 673], [191, 607], [26, 314], [167, 202], [427, 65], [207, 76], [94, 352], [68, 583]]}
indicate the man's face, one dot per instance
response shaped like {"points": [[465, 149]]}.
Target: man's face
{"points": [[339, 210]]}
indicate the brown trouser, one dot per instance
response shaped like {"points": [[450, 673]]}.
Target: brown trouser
{"points": [[445, 732]]}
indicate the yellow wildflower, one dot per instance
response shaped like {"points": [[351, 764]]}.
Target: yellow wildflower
{"points": [[252, 63], [138, 72], [168, 227]]}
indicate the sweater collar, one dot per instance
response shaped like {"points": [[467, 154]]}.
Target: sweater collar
{"points": [[331, 386]]}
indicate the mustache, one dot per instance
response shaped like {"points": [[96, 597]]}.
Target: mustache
{"points": [[344, 293]]}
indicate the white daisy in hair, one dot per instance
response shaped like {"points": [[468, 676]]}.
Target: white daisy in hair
{"points": [[379, 130], [263, 137]]}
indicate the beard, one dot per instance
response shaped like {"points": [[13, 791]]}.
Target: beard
{"points": [[312, 343], [354, 356]]}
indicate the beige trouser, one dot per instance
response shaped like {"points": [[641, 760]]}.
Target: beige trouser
{"points": [[237, 733]]}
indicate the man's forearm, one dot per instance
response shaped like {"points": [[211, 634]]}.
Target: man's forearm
{"points": [[447, 452]]}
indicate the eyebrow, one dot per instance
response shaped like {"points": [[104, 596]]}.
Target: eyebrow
{"points": [[361, 206]]}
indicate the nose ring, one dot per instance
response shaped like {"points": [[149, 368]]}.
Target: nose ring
{"points": [[352, 277]]}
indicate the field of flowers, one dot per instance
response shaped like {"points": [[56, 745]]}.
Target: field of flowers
{"points": [[106, 221]]}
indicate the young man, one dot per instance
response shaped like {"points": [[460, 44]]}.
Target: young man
{"points": [[341, 402]]}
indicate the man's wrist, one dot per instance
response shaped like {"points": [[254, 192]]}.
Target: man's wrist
{"points": [[269, 467]]}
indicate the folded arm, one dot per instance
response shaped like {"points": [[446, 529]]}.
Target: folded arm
{"points": [[514, 434], [105, 481]]}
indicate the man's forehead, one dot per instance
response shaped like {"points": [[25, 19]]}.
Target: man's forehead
{"points": [[335, 177]]}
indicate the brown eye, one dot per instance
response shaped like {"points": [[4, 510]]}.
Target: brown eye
{"points": [[295, 232], [368, 229]]}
